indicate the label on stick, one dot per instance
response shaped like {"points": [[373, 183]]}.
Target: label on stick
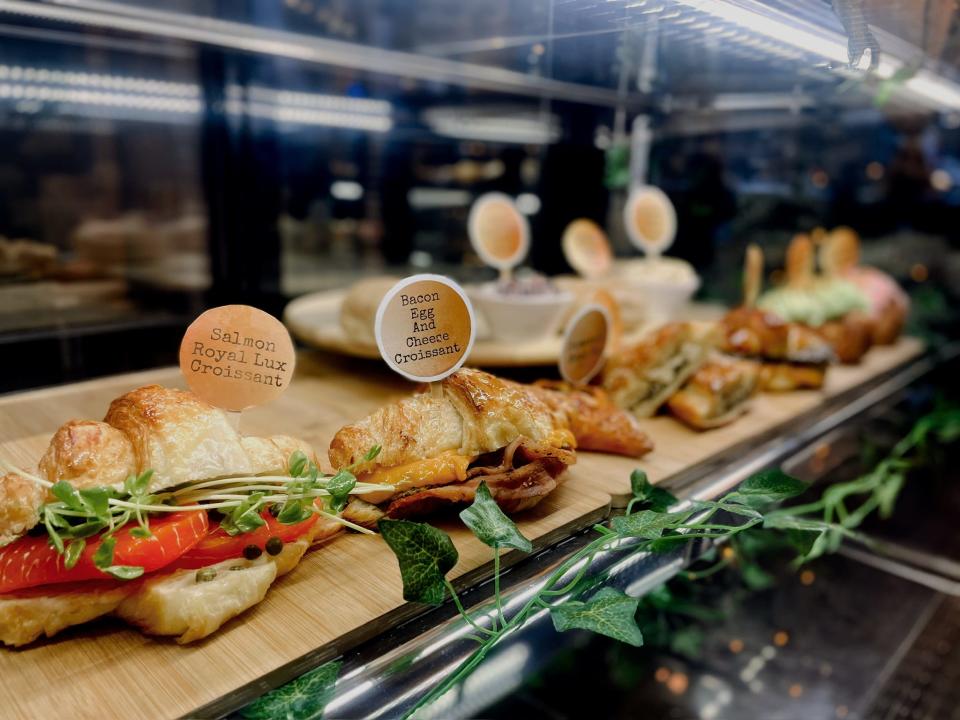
{"points": [[584, 344], [498, 231], [236, 357], [425, 327]]}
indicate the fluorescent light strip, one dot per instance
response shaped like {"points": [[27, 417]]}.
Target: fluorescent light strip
{"points": [[341, 103], [43, 93], [830, 48], [936, 89], [306, 116], [17, 73], [45, 85]]}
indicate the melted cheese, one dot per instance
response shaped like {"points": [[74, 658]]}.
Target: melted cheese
{"points": [[442, 470]]}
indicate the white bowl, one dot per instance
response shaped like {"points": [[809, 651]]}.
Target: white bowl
{"points": [[665, 290], [519, 317]]}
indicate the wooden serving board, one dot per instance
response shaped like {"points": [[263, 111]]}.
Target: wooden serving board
{"points": [[342, 593]]}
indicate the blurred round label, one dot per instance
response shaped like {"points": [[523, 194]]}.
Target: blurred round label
{"points": [[586, 248], [584, 344], [425, 327], [498, 231], [650, 219], [236, 357]]}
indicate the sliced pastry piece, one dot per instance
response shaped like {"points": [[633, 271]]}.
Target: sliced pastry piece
{"points": [[640, 377], [717, 394], [788, 376], [437, 446], [120, 523], [597, 423]]}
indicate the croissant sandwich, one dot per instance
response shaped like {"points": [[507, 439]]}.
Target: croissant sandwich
{"points": [[642, 376], [793, 356], [437, 446], [162, 515]]}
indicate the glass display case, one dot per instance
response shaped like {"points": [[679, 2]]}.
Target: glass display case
{"points": [[161, 159], [164, 159]]}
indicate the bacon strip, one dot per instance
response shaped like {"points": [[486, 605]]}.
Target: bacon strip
{"points": [[523, 475]]}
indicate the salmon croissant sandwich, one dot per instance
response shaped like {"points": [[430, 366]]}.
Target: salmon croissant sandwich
{"points": [[163, 515]]}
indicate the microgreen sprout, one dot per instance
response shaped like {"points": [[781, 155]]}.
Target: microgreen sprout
{"points": [[75, 514]]}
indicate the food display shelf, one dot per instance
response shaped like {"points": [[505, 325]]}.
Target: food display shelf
{"points": [[384, 677], [346, 598]]}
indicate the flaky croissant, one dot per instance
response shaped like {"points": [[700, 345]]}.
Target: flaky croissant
{"points": [[172, 432], [468, 413], [437, 446]]}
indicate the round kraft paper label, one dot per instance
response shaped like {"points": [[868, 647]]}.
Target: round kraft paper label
{"points": [[425, 327], [584, 344], [498, 231], [236, 357], [650, 219], [586, 248]]}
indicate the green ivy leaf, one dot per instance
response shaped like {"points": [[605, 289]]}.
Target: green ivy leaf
{"points": [[647, 523], [302, 699], [687, 641], [609, 612], [654, 497], [489, 523], [768, 487], [755, 577], [425, 555], [887, 494]]}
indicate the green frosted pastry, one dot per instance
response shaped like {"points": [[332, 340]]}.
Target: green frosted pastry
{"points": [[826, 300]]}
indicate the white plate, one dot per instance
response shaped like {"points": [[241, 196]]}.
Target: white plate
{"points": [[314, 319]]}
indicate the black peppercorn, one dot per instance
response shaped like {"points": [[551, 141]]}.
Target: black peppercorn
{"points": [[274, 546], [252, 552]]}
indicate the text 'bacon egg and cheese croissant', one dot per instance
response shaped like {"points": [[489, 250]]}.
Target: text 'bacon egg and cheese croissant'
{"points": [[438, 445], [162, 515]]}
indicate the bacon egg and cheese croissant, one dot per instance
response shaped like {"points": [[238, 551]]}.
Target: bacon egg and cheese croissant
{"points": [[438, 445]]}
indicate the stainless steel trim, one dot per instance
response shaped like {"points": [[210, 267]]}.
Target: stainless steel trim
{"points": [[385, 676], [892, 567]]}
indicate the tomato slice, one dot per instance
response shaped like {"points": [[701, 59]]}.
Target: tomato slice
{"points": [[32, 561], [218, 546]]}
